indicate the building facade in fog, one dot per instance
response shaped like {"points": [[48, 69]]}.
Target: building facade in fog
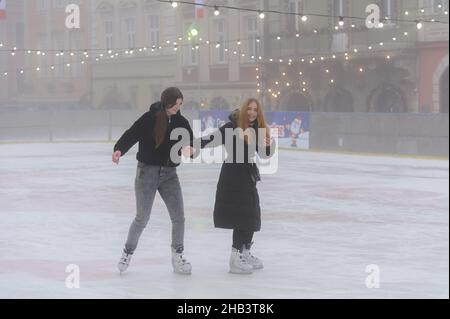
{"points": [[12, 34], [136, 48], [215, 75], [49, 73], [388, 69], [432, 46], [133, 78]]}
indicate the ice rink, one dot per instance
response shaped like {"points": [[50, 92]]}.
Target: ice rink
{"points": [[326, 218]]}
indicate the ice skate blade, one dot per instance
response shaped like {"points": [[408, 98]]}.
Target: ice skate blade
{"points": [[182, 273], [240, 272]]}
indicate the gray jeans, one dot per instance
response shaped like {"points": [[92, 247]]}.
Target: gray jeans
{"points": [[149, 179]]}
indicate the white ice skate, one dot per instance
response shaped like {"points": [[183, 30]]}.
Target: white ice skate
{"points": [[180, 264], [252, 260], [124, 262], [238, 264]]}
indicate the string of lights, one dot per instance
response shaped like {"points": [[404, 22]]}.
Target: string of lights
{"points": [[304, 15]]}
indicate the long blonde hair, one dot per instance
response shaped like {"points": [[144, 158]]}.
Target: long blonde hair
{"points": [[260, 118]]}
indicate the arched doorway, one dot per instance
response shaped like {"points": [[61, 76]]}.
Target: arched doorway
{"points": [[443, 92], [296, 102], [387, 99], [440, 87], [338, 100]]}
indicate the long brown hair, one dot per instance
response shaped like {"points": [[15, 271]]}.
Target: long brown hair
{"points": [[260, 118], [169, 98]]}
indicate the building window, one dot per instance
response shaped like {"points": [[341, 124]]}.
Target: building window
{"points": [[389, 9], [252, 36], [60, 61], [75, 44], [42, 60], [340, 9], [130, 31], [42, 5], [153, 21], [191, 53], [220, 38], [108, 34], [294, 21]]}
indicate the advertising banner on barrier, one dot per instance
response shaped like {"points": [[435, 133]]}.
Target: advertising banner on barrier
{"points": [[293, 127]]}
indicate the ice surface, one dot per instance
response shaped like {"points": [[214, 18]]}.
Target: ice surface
{"points": [[326, 217]]}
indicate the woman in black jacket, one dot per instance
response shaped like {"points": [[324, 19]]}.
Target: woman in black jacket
{"points": [[156, 171], [237, 201]]}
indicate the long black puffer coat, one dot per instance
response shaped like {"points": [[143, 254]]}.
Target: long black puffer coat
{"points": [[237, 200]]}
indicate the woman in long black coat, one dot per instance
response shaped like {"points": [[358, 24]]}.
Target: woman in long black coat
{"points": [[237, 204]]}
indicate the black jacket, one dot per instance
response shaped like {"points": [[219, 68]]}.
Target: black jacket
{"points": [[142, 131], [237, 200]]}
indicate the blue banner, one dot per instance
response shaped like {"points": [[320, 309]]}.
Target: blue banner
{"points": [[293, 127]]}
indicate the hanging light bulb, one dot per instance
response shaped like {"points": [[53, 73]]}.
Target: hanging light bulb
{"points": [[261, 15], [174, 4], [341, 21], [419, 25], [216, 11], [304, 18]]}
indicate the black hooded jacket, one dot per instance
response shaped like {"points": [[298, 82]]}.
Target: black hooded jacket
{"points": [[142, 131], [237, 201]]}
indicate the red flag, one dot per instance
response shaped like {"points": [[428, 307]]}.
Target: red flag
{"points": [[199, 9], [2, 9]]}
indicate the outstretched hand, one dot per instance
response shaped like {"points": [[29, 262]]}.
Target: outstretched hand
{"points": [[116, 156], [188, 151], [268, 141]]}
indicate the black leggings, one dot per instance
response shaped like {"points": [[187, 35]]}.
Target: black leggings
{"points": [[241, 238]]}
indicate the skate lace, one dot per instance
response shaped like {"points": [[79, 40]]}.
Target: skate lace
{"points": [[125, 259], [250, 256], [242, 259], [182, 260]]}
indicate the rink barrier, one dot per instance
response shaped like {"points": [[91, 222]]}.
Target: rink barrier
{"points": [[384, 133], [371, 133]]}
